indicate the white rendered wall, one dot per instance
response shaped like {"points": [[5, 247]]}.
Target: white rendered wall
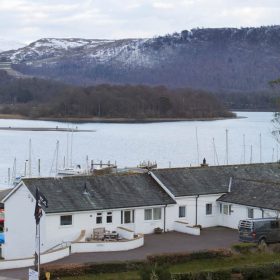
{"points": [[45, 258], [190, 203], [240, 212], [20, 225], [145, 227], [83, 247], [55, 233]]}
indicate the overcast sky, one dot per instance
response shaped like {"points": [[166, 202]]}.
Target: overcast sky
{"points": [[29, 20]]}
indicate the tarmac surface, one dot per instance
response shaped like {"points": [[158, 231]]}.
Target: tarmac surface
{"points": [[171, 242]]}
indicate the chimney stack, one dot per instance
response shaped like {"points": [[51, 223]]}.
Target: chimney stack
{"points": [[204, 163]]}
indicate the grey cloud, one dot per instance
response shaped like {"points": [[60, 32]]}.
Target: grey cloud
{"points": [[28, 20]]}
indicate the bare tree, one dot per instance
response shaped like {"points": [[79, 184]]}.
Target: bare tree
{"points": [[276, 117]]}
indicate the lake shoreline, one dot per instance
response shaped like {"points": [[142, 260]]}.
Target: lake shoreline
{"points": [[115, 120]]}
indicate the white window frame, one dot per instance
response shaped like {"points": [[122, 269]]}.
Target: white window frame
{"points": [[68, 225], [150, 210], [209, 214], [99, 215], [160, 214], [132, 216], [153, 214], [250, 213], [182, 207], [109, 214], [226, 209]]}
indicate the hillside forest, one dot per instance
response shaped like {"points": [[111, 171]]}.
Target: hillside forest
{"points": [[38, 98]]}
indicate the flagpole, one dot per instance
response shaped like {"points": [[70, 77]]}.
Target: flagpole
{"points": [[39, 249], [40, 200]]}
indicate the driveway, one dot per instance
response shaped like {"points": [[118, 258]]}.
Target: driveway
{"points": [[171, 242]]}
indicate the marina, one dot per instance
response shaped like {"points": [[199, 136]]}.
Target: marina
{"points": [[172, 144]]}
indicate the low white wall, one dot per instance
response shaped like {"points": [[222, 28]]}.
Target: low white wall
{"points": [[185, 228], [107, 246], [45, 258], [55, 255], [125, 233]]}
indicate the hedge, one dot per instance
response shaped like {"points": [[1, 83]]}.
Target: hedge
{"points": [[244, 248], [90, 268], [124, 266], [258, 272], [184, 257]]}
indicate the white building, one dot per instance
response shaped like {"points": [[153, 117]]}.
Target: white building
{"points": [[172, 199], [81, 203]]}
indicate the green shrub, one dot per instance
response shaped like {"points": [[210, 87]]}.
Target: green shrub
{"points": [[265, 271], [88, 268], [244, 248], [112, 267], [203, 275], [155, 272], [275, 248], [176, 258], [258, 272]]}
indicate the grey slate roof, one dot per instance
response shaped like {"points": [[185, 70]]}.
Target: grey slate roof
{"points": [[103, 192], [214, 179], [255, 194]]}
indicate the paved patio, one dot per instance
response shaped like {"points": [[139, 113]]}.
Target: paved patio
{"points": [[211, 238]]}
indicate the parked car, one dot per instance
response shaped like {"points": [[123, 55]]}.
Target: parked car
{"points": [[2, 238], [262, 230]]}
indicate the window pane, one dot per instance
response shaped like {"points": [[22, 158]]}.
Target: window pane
{"points": [[208, 209], [99, 218], [148, 214], [250, 213], [225, 209], [109, 218], [157, 213], [182, 211], [127, 217], [66, 220]]}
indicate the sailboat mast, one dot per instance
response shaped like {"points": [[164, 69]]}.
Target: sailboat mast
{"points": [[244, 149], [251, 154], [29, 160], [215, 153], [56, 158], [67, 148], [260, 147], [227, 146], [197, 146], [71, 147]]}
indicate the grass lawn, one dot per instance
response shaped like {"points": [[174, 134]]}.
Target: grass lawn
{"points": [[194, 265]]}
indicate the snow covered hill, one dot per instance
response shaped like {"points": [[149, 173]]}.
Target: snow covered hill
{"points": [[219, 59]]}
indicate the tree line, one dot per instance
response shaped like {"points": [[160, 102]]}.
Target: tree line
{"points": [[44, 98]]}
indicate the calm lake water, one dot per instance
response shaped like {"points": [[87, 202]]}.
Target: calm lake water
{"points": [[172, 143]]}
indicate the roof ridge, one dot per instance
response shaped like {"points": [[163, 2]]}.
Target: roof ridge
{"points": [[84, 176], [219, 166]]}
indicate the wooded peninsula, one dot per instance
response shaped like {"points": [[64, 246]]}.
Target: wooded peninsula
{"points": [[37, 99]]}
